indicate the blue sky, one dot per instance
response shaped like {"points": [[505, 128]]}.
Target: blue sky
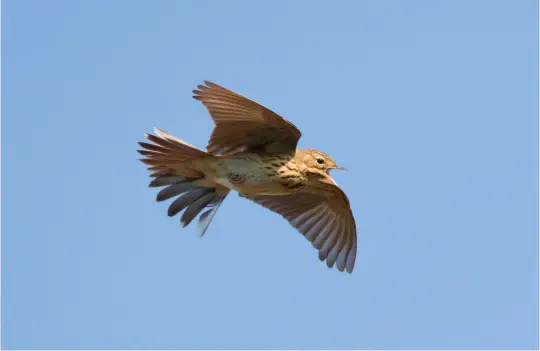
{"points": [[431, 105]]}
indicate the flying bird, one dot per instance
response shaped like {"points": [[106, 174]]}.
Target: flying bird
{"points": [[252, 150]]}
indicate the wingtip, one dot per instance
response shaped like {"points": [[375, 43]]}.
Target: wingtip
{"points": [[349, 267], [149, 136], [147, 161]]}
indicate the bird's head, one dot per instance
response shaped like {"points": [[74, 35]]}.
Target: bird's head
{"points": [[318, 162]]}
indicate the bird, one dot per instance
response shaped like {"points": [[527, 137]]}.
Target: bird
{"points": [[253, 151]]}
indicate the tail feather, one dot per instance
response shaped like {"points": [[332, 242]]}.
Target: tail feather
{"points": [[174, 190], [196, 207], [206, 218], [168, 158], [186, 200], [191, 198], [165, 180]]}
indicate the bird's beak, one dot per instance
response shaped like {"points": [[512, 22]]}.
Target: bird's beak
{"points": [[340, 168]]}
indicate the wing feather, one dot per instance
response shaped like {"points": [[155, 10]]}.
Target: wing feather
{"points": [[326, 221], [243, 125]]}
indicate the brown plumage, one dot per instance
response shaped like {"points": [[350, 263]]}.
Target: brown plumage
{"points": [[252, 150]]}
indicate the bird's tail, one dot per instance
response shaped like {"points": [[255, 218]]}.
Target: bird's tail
{"points": [[170, 160]]}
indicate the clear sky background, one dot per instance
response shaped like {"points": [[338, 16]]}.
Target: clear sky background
{"points": [[432, 105]]}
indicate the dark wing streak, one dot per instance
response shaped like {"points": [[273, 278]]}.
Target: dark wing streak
{"points": [[332, 241], [325, 231]]}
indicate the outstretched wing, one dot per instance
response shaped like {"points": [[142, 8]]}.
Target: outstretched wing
{"points": [[242, 125], [326, 221]]}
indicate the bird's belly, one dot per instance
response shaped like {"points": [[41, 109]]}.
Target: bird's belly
{"points": [[249, 174]]}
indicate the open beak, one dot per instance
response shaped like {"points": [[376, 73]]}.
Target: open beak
{"points": [[335, 167], [340, 168]]}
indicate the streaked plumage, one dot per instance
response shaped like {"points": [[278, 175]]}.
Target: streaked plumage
{"points": [[252, 150]]}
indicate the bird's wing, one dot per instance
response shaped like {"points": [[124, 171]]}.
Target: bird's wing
{"points": [[242, 125], [326, 221]]}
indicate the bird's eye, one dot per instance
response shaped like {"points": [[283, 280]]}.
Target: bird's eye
{"points": [[320, 161]]}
